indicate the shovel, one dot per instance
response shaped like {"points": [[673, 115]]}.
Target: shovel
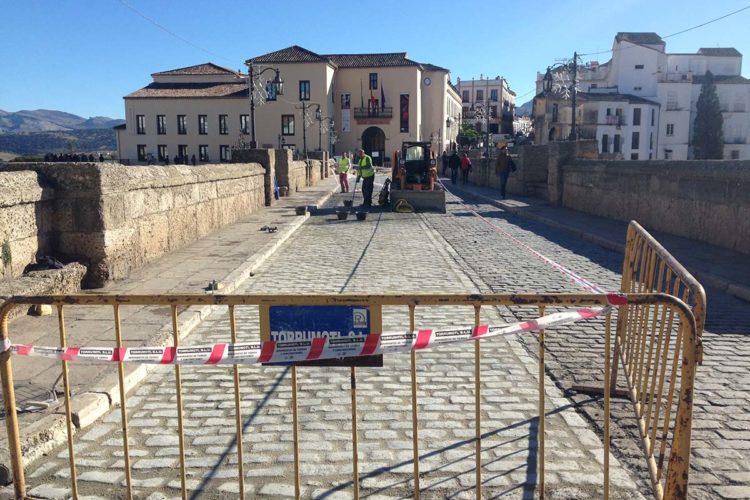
{"points": [[350, 203]]}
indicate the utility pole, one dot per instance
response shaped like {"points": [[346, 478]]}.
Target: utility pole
{"points": [[573, 134]]}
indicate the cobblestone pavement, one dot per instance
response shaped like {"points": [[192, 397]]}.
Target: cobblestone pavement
{"points": [[720, 463], [386, 253]]}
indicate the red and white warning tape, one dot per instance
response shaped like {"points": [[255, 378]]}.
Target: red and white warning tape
{"points": [[303, 350]]}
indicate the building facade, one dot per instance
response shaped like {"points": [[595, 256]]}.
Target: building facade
{"points": [[641, 104], [493, 94], [334, 102]]}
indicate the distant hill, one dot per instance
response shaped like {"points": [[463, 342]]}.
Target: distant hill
{"points": [[45, 120], [525, 108], [46, 131]]}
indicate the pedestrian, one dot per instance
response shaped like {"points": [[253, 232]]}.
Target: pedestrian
{"points": [[503, 167], [343, 170], [192, 159], [465, 168], [366, 172], [445, 161], [454, 162]]}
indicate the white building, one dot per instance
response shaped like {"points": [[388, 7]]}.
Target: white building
{"points": [[476, 95], [663, 89], [331, 102]]}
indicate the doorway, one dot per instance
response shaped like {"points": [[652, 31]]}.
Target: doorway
{"points": [[373, 142]]}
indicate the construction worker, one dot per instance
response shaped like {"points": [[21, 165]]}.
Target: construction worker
{"points": [[343, 170], [366, 171]]}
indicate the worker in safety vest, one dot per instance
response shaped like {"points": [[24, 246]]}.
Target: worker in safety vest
{"points": [[367, 172], [343, 170]]}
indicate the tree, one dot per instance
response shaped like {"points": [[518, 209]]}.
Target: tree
{"points": [[468, 136], [708, 134]]}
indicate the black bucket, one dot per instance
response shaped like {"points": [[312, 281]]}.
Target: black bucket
{"points": [[348, 203], [361, 215], [342, 214]]}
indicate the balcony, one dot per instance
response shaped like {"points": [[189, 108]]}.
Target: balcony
{"points": [[386, 112], [675, 77], [615, 120], [736, 140]]}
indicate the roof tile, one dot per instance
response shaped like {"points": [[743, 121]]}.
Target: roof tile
{"points": [[171, 90]]}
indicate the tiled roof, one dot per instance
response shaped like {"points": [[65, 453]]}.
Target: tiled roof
{"points": [[647, 38], [432, 67], [293, 54], [721, 79], [720, 51], [171, 90], [119, 127], [371, 60], [199, 69]]}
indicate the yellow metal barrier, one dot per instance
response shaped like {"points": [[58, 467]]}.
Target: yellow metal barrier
{"points": [[676, 345], [645, 345]]}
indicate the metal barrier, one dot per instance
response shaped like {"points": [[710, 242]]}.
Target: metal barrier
{"points": [[644, 339], [677, 343]]}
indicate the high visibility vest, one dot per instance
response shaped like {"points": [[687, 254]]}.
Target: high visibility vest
{"points": [[343, 165], [365, 167]]}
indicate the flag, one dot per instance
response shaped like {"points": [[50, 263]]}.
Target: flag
{"points": [[372, 101], [382, 97]]}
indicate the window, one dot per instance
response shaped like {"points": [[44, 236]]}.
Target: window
{"points": [[672, 103], [203, 124], [554, 113], [224, 153], [617, 147], [605, 143], [181, 125], [480, 95], [609, 111], [304, 90], [735, 154], [667, 154], [493, 111], [739, 105], [223, 129], [203, 152], [653, 116], [639, 66], [466, 111], [141, 152], [373, 81], [637, 89], [287, 124], [465, 96], [633, 156], [636, 116], [493, 94], [635, 141], [593, 86], [244, 121], [161, 124], [182, 153], [651, 141], [670, 129], [163, 155], [140, 124]]}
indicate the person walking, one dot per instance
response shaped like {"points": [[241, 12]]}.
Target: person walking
{"points": [[343, 170], [444, 159], [454, 162], [503, 166], [465, 168], [366, 172]]}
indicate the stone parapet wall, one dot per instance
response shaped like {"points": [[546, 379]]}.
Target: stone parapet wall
{"points": [[26, 211], [116, 218], [702, 200]]}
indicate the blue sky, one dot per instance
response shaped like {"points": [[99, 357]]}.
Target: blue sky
{"points": [[82, 56]]}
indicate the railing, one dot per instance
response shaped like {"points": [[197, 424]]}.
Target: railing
{"points": [[677, 324], [386, 112]]}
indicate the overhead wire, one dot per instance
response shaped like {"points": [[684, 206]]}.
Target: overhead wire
{"points": [[677, 33]]}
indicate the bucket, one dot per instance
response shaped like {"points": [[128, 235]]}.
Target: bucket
{"points": [[342, 214], [301, 210], [348, 203], [361, 215]]}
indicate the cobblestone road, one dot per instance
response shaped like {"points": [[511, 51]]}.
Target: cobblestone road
{"points": [[354, 257]]}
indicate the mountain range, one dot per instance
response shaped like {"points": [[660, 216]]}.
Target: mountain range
{"points": [[45, 120], [44, 131]]}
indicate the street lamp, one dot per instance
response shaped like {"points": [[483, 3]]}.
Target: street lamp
{"points": [[329, 126], [304, 108], [565, 82], [278, 89]]}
